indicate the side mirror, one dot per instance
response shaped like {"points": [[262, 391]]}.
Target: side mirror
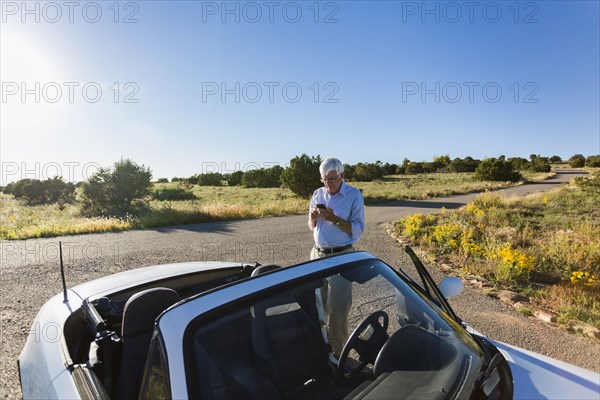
{"points": [[451, 286]]}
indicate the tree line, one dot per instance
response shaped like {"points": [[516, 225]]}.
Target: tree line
{"points": [[121, 189], [496, 169]]}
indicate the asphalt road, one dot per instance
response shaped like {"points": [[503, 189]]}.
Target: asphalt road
{"points": [[30, 271]]}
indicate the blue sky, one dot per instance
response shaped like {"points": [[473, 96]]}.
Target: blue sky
{"points": [[187, 87]]}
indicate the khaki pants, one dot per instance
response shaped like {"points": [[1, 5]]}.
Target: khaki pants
{"points": [[337, 299]]}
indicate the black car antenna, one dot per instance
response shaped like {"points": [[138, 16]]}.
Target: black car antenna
{"points": [[62, 272]]}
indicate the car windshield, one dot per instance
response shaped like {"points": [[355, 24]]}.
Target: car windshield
{"points": [[281, 343]]}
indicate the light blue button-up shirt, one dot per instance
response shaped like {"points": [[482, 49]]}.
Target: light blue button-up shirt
{"points": [[347, 204]]}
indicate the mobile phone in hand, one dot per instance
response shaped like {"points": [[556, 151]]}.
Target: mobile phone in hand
{"points": [[321, 206]]}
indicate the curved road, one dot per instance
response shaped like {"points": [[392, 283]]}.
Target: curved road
{"points": [[30, 271]]}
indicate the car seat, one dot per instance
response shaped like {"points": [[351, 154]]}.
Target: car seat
{"points": [[287, 339], [139, 315]]}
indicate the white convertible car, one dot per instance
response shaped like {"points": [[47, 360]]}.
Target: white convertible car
{"points": [[234, 331]]}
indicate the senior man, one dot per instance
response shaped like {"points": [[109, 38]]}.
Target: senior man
{"points": [[337, 219]]}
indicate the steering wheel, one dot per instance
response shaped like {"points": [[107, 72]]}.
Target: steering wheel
{"points": [[366, 344]]}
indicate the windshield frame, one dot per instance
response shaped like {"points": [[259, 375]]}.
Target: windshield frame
{"points": [[428, 283]]}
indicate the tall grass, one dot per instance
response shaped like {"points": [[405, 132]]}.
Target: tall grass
{"points": [[18, 221], [546, 244]]}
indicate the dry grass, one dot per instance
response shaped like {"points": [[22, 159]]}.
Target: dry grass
{"points": [[18, 221], [572, 303]]}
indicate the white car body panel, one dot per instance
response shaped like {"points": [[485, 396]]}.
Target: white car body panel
{"points": [[536, 376], [43, 361]]}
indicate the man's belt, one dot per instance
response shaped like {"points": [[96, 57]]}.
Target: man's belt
{"points": [[331, 250]]}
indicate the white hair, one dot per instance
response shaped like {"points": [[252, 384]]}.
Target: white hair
{"points": [[331, 164]]}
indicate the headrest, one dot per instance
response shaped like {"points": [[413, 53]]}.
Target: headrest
{"points": [[142, 309]]}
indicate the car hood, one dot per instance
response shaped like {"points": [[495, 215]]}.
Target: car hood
{"points": [[539, 377]]}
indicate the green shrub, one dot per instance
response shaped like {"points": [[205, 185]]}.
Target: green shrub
{"points": [[172, 194], [367, 172], [388, 169], [8, 189], [17, 189], [400, 170], [592, 161], [192, 180], [33, 192], [519, 163], [414, 168], [577, 161], [262, 177], [234, 179], [349, 172], [555, 159], [50, 191], [466, 165], [441, 163], [591, 184], [429, 167], [302, 176], [496, 169], [540, 166], [117, 190], [209, 179]]}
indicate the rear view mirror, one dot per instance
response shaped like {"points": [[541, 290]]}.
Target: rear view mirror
{"points": [[451, 286]]}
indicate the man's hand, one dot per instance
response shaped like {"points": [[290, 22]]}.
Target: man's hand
{"points": [[329, 215], [313, 217], [326, 213], [316, 213]]}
